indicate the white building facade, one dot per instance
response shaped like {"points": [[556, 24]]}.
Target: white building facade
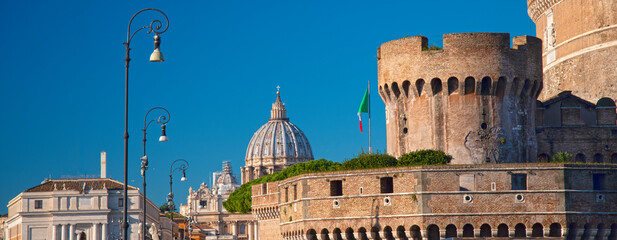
{"points": [[79, 209]]}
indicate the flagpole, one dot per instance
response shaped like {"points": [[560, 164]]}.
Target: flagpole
{"points": [[369, 117]]}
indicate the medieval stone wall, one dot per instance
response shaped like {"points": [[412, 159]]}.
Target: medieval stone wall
{"points": [[474, 99], [580, 46], [488, 200]]}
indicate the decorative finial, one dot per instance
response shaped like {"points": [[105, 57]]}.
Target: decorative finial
{"points": [[278, 90]]}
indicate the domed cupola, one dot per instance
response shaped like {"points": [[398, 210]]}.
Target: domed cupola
{"points": [[276, 145]]}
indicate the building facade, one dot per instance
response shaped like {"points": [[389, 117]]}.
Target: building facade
{"points": [[276, 145], [529, 200], [79, 209], [209, 219], [579, 46]]}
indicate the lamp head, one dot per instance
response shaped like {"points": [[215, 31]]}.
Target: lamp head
{"points": [[183, 176], [163, 137], [156, 55]]}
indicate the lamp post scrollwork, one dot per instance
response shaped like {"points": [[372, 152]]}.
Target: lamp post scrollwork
{"points": [[156, 27]]}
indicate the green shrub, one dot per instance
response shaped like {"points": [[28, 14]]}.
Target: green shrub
{"points": [[369, 160], [424, 157], [561, 157], [240, 200], [431, 47]]}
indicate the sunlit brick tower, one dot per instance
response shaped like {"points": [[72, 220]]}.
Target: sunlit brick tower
{"points": [[579, 51], [474, 99]]}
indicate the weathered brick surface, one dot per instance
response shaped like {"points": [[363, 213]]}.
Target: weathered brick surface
{"points": [[579, 51], [474, 99], [423, 196]]}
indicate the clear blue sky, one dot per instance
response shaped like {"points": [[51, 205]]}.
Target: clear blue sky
{"points": [[62, 79]]}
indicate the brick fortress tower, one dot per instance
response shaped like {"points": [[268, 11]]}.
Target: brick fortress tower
{"points": [[580, 46], [474, 99]]}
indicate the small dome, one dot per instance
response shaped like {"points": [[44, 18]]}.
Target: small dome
{"points": [[226, 183], [278, 142]]}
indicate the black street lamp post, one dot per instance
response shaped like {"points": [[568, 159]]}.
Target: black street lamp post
{"points": [[170, 197], [155, 26], [163, 120]]}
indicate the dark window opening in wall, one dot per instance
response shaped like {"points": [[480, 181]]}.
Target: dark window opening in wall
{"points": [[519, 181], [286, 194], [120, 202], [386, 185], [452, 85], [264, 188], [598, 158], [336, 188], [614, 132], [203, 203], [38, 204], [405, 130], [580, 157], [470, 85], [486, 86], [483, 126], [295, 189], [242, 229], [599, 182], [614, 158]]}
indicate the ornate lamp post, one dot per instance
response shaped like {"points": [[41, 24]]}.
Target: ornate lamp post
{"points": [[170, 197], [163, 120], [155, 26]]}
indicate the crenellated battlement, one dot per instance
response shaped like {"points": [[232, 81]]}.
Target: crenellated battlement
{"points": [[471, 99]]}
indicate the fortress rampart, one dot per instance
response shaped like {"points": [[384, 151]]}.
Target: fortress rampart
{"points": [[579, 46], [474, 99], [480, 200]]}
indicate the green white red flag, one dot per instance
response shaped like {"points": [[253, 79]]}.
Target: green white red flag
{"points": [[364, 108]]}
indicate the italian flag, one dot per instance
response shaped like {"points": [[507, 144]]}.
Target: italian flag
{"points": [[364, 107]]}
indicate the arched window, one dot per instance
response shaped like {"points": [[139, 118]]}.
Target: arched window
{"points": [[486, 86], [537, 230], [433, 232], [82, 236], [598, 158], [375, 233], [485, 230], [336, 234], [614, 158], [362, 234], [520, 230], [526, 87], [450, 231], [436, 86], [349, 234], [420, 86], [468, 230], [387, 233], [613, 234], [470, 85], [555, 230], [325, 234], [580, 157], [414, 233], [387, 89], [572, 231], [395, 90], [400, 232], [501, 87], [406, 88], [502, 230], [452, 85], [311, 234]]}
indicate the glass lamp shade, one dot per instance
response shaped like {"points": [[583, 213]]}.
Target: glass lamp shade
{"points": [[157, 56]]}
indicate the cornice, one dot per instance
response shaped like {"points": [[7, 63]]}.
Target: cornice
{"points": [[535, 8]]}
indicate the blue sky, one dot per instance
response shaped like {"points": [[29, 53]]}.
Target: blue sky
{"points": [[62, 79]]}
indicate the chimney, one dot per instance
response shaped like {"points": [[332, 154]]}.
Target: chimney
{"points": [[103, 164]]}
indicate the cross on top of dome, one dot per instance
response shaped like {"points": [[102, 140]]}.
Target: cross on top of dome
{"points": [[278, 111]]}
